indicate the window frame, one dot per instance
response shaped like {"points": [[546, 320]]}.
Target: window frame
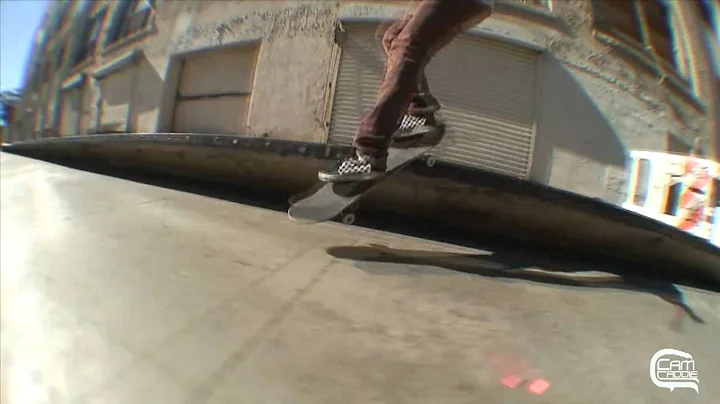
{"points": [[643, 176], [92, 33], [643, 47], [129, 12]]}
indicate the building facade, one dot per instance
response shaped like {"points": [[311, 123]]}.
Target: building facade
{"points": [[556, 92]]}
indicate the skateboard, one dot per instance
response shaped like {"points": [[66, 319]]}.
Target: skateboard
{"points": [[326, 201]]}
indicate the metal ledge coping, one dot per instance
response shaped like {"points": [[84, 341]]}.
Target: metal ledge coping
{"points": [[462, 174], [441, 170]]}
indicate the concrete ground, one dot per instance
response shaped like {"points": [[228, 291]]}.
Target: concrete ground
{"points": [[115, 291]]}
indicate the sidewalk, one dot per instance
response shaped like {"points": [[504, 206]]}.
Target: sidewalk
{"points": [[121, 292]]}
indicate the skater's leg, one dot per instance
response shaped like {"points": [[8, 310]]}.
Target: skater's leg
{"points": [[392, 32], [433, 25], [388, 37], [419, 118], [423, 104], [418, 102]]}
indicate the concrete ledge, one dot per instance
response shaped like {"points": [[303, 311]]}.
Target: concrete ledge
{"points": [[448, 193]]}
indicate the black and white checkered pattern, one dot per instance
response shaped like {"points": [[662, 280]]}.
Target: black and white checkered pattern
{"points": [[353, 166], [411, 124]]}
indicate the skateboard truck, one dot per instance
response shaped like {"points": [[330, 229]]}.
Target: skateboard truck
{"points": [[348, 216]]}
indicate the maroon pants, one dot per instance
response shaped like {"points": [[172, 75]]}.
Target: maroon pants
{"points": [[421, 102], [410, 44]]}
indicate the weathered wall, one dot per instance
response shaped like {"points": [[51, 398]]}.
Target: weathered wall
{"points": [[592, 105], [288, 95]]}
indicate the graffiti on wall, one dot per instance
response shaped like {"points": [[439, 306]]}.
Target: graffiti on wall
{"points": [[679, 190], [694, 198]]}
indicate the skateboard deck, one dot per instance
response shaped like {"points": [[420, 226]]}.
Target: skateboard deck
{"points": [[328, 200]]}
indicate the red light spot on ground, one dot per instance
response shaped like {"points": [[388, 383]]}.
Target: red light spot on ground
{"points": [[538, 386], [512, 381]]}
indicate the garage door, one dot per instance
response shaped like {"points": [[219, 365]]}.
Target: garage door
{"points": [[41, 117], [71, 111], [486, 88], [117, 91], [38, 122], [214, 91], [50, 129]]}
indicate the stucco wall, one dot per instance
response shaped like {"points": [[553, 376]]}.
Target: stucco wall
{"points": [[289, 89], [592, 106]]}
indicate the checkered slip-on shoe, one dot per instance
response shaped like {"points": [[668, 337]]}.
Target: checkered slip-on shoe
{"points": [[354, 168], [413, 126]]}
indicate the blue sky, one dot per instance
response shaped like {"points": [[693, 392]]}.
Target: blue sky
{"points": [[18, 21]]}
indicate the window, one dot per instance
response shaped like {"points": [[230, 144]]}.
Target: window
{"points": [[618, 19], [89, 39], [642, 182], [44, 71], [644, 26], [130, 17], [59, 16], [60, 56], [660, 38], [673, 197], [706, 11]]}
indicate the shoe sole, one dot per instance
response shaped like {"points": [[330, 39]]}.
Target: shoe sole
{"points": [[412, 135], [430, 135], [346, 178]]}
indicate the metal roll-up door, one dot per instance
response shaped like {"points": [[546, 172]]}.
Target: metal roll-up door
{"points": [[362, 65], [214, 91], [486, 88], [41, 120], [117, 93], [71, 110]]}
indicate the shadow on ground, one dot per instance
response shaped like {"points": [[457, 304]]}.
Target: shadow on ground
{"points": [[514, 264]]}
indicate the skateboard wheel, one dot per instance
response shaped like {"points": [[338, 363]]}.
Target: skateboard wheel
{"points": [[348, 218], [431, 161]]}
